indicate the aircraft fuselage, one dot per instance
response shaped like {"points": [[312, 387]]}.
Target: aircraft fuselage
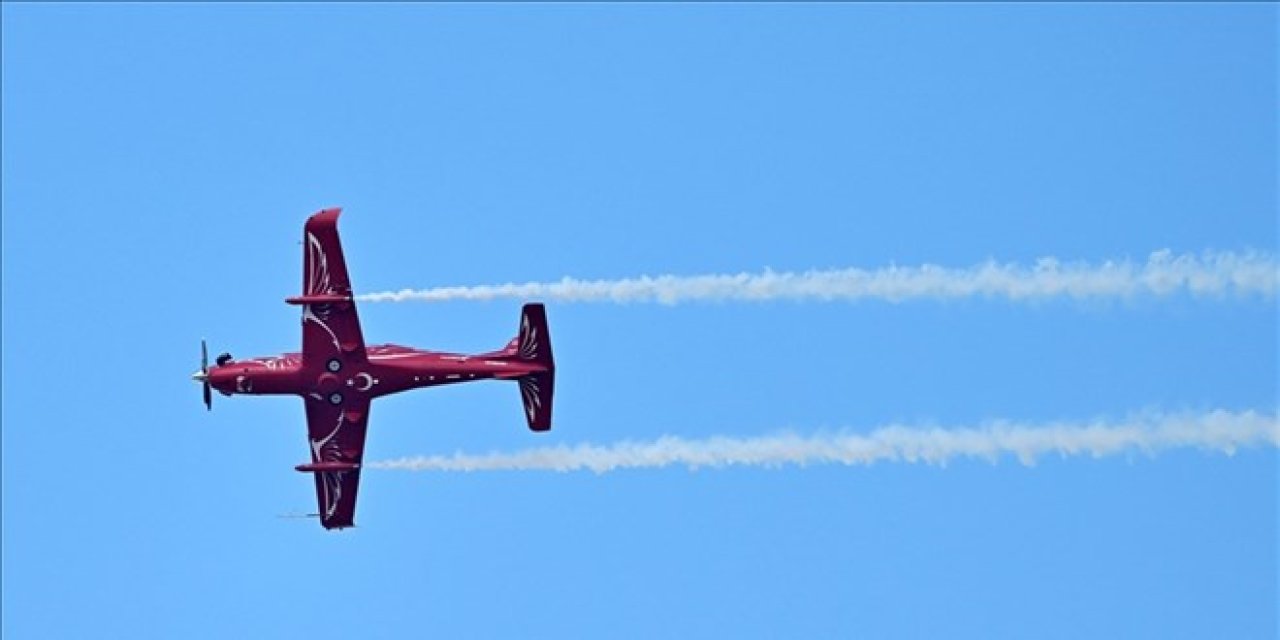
{"points": [[384, 369]]}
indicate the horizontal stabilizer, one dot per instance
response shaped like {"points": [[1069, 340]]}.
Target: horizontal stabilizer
{"points": [[536, 392], [533, 345], [534, 341]]}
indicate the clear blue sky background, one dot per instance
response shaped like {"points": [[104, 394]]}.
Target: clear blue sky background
{"points": [[158, 163]]}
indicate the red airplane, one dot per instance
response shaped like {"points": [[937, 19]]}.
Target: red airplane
{"points": [[337, 376]]}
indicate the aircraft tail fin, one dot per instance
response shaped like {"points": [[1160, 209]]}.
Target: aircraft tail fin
{"points": [[533, 344]]}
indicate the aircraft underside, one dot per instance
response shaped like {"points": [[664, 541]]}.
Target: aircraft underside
{"points": [[338, 377]]}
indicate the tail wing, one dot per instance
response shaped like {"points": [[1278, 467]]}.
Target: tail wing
{"points": [[535, 391], [533, 344]]}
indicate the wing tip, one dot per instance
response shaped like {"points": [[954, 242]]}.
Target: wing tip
{"points": [[327, 216]]}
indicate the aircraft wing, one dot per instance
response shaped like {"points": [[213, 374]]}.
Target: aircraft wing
{"points": [[335, 434], [328, 328]]}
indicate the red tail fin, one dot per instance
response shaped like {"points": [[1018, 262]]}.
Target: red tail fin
{"points": [[533, 344]]}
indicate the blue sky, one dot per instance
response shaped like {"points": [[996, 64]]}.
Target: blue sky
{"points": [[159, 161]]}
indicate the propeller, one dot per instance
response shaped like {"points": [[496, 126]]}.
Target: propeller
{"points": [[203, 376]]}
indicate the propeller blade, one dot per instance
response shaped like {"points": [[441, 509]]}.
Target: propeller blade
{"points": [[203, 376]]}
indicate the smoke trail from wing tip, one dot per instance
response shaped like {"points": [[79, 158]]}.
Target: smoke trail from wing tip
{"points": [[1221, 431], [1209, 274]]}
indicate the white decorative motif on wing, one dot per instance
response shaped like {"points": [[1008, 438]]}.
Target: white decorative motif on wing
{"points": [[308, 313], [318, 283], [317, 268], [327, 450], [332, 483]]}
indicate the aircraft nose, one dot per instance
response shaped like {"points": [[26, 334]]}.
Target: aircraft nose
{"points": [[200, 376]]}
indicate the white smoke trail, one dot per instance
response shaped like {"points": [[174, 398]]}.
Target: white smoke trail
{"points": [[1210, 274], [1222, 431]]}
